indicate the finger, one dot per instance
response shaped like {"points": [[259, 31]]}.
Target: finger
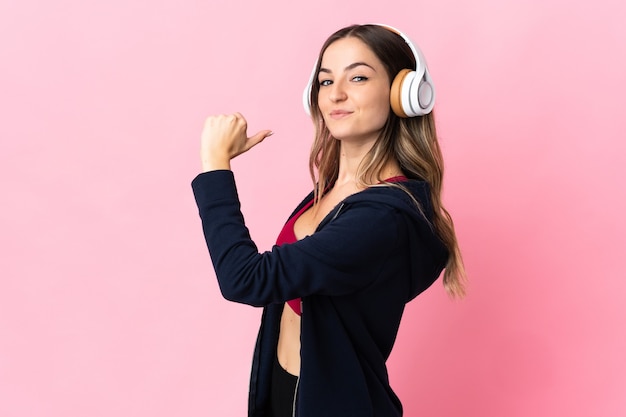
{"points": [[240, 120], [258, 138]]}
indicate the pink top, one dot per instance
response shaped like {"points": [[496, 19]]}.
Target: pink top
{"points": [[287, 235]]}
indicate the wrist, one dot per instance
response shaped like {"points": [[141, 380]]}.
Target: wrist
{"points": [[215, 163]]}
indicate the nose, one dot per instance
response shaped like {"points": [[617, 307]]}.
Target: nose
{"points": [[337, 92]]}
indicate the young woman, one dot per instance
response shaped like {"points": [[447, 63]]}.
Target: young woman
{"points": [[371, 236]]}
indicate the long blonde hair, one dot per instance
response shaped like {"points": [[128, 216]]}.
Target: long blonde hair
{"points": [[411, 141]]}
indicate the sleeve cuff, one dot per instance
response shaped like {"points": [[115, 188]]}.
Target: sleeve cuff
{"points": [[214, 185]]}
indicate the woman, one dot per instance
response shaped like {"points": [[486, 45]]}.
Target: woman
{"points": [[370, 237]]}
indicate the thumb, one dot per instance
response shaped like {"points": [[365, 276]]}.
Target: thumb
{"points": [[258, 137]]}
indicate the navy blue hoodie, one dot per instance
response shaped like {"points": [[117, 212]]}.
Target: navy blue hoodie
{"points": [[374, 252]]}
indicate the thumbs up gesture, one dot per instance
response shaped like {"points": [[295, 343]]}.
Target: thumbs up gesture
{"points": [[223, 138]]}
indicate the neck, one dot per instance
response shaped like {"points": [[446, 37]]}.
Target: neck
{"points": [[350, 159]]}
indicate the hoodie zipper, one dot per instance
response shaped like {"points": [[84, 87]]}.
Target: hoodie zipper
{"points": [[295, 394], [295, 391], [329, 219]]}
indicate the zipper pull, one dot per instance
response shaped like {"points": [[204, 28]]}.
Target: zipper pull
{"points": [[337, 212]]}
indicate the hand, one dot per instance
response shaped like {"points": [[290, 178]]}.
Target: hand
{"points": [[223, 138]]}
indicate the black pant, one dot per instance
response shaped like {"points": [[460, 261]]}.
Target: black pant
{"points": [[283, 391]]}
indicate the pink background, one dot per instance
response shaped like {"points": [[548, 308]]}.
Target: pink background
{"points": [[108, 303]]}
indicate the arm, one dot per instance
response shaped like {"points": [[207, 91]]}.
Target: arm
{"points": [[344, 256]]}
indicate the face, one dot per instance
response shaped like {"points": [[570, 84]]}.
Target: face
{"points": [[354, 91]]}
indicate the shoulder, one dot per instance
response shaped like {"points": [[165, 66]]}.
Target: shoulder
{"points": [[411, 197]]}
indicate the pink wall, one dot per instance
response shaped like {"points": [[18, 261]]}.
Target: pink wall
{"points": [[108, 305]]}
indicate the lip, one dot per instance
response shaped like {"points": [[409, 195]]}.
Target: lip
{"points": [[340, 114]]}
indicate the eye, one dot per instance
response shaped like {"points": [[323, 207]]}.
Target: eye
{"points": [[325, 83], [359, 78]]}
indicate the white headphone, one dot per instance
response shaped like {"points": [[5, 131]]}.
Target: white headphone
{"points": [[412, 91]]}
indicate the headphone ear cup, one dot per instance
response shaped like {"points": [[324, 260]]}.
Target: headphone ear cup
{"points": [[306, 94], [395, 96], [411, 96], [425, 95], [306, 99]]}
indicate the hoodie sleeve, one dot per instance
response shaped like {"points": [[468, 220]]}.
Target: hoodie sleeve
{"points": [[344, 256]]}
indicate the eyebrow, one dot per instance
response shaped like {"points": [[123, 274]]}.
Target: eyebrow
{"points": [[349, 67]]}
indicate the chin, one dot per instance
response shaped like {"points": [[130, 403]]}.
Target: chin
{"points": [[343, 133], [353, 135]]}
